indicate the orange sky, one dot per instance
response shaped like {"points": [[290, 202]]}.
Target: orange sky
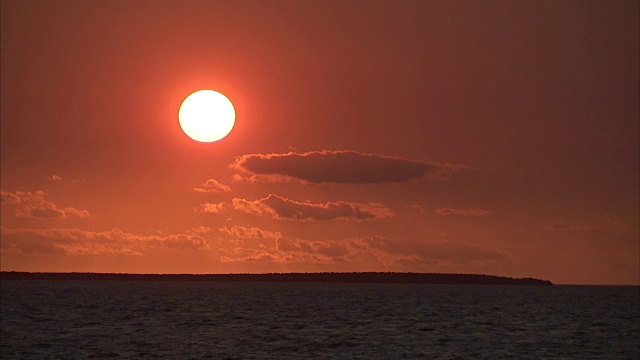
{"points": [[492, 137]]}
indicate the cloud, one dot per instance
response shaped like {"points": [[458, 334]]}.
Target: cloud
{"points": [[73, 212], [280, 208], [9, 198], [244, 232], [49, 210], [575, 226], [82, 242], [326, 250], [387, 251], [60, 179], [45, 210], [255, 244], [35, 206], [211, 208], [343, 166], [212, 186], [463, 212], [277, 248], [406, 250], [601, 225], [203, 230], [289, 251], [20, 197], [249, 255]]}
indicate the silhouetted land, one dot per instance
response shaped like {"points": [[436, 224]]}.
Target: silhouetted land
{"points": [[325, 277]]}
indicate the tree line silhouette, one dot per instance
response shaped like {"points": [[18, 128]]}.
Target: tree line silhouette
{"points": [[319, 277]]}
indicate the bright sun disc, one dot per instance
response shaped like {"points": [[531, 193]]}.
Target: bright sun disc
{"points": [[206, 116]]}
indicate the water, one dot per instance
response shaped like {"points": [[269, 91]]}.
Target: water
{"points": [[134, 320]]}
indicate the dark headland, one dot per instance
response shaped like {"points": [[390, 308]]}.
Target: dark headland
{"points": [[322, 277]]}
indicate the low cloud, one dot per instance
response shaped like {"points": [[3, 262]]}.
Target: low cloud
{"points": [[241, 254], [327, 250], [254, 244], [576, 226], [212, 186], [281, 208], [290, 252], [244, 232], [399, 251], [202, 230], [58, 178], [462, 212], [343, 166], [45, 210], [387, 251], [211, 208], [49, 210], [20, 197], [602, 225], [35, 206], [82, 242], [274, 247]]}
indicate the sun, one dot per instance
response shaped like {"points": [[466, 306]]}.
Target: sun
{"points": [[206, 116]]}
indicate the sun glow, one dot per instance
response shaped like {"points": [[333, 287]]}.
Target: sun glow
{"points": [[206, 116]]}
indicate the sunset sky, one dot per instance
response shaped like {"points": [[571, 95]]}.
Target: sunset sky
{"points": [[490, 137]]}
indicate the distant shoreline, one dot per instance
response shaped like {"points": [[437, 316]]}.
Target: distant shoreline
{"points": [[320, 277]]}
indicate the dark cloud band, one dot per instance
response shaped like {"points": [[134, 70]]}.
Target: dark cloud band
{"points": [[343, 166]]}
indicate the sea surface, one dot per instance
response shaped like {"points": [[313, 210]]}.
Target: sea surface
{"points": [[216, 320]]}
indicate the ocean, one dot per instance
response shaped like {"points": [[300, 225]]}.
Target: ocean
{"points": [[250, 320]]}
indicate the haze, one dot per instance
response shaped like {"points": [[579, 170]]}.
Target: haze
{"points": [[488, 137]]}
